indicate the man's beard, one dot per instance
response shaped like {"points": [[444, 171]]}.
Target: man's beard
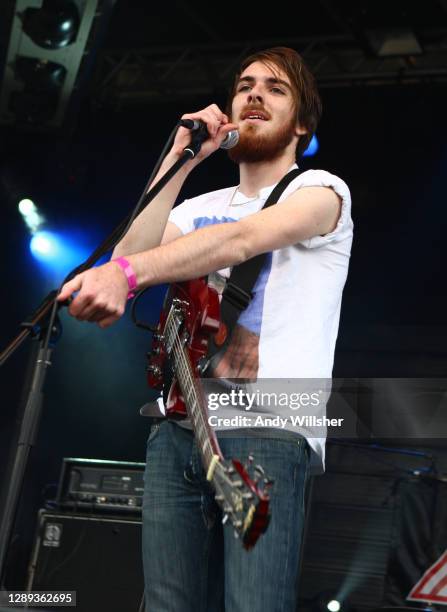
{"points": [[256, 147]]}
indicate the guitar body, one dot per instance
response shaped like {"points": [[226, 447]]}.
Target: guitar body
{"points": [[190, 316], [200, 304]]}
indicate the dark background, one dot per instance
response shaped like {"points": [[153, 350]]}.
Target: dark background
{"points": [[386, 139]]}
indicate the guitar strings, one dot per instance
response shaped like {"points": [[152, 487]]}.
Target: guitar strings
{"points": [[186, 368], [183, 363]]}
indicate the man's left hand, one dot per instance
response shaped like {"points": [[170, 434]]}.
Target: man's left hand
{"points": [[101, 294]]}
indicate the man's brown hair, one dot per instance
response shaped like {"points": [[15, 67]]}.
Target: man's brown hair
{"points": [[306, 98]]}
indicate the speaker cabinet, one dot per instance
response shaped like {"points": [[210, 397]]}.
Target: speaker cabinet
{"points": [[98, 557]]}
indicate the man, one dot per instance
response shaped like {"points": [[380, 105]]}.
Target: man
{"points": [[288, 331]]}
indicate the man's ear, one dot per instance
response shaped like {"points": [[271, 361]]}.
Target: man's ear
{"points": [[300, 131]]}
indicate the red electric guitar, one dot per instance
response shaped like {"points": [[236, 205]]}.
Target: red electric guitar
{"points": [[190, 315]]}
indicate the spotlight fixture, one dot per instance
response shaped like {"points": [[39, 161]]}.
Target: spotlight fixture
{"points": [[39, 98], [48, 43], [39, 74], [54, 25]]}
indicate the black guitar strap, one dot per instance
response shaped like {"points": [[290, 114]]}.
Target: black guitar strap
{"points": [[237, 294]]}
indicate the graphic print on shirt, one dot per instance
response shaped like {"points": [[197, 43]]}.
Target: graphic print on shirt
{"points": [[241, 359]]}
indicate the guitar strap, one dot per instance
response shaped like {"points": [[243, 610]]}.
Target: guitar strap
{"points": [[237, 294]]}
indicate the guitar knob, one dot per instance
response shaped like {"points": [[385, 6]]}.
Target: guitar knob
{"points": [[154, 369]]}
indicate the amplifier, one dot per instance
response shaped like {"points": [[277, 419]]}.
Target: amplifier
{"points": [[99, 557], [96, 485]]}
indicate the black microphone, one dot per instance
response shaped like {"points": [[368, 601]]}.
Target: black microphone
{"points": [[201, 133]]}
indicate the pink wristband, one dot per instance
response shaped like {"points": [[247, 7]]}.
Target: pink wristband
{"points": [[130, 275]]}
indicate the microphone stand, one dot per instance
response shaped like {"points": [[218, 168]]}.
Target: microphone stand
{"points": [[44, 325]]}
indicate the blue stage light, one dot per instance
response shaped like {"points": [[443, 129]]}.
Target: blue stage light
{"points": [[45, 246], [58, 252], [312, 148]]}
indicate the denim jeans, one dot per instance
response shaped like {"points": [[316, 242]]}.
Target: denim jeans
{"points": [[194, 564]]}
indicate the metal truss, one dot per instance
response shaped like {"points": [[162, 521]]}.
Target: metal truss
{"points": [[157, 74], [74, 58]]}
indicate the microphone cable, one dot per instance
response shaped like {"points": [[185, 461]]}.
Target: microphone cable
{"points": [[112, 241], [126, 223]]}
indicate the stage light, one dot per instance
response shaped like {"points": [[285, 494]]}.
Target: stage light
{"points": [[31, 215], [45, 246], [330, 601], [58, 252], [333, 606], [54, 25], [26, 207], [48, 43], [39, 75], [312, 148], [37, 102]]}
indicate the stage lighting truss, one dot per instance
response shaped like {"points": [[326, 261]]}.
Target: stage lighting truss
{"points": [[47, 43], [152, 74]]}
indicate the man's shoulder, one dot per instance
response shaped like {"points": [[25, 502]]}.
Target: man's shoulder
{"points": [[320, 178], [318, 175]]}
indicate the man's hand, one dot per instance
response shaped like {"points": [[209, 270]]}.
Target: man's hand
{"points": [[102, 294], [218, 126]]}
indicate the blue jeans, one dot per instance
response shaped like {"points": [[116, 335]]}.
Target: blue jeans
{"points": [[194, 564]]}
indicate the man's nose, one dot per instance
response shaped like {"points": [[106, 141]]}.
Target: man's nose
{"points": [[255, 95]]}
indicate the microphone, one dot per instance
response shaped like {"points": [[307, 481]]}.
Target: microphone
{"points": [[198, 126]]}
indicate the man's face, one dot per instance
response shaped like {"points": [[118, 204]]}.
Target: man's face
{"points": [[263, 107]]}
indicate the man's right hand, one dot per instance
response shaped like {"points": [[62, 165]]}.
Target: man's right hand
{"points": [[218, 126], [149, 229]]}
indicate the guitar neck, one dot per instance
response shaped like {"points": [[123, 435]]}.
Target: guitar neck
{"points": [[241, 497], [195, 406]]}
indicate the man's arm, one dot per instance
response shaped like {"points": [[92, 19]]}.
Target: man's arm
{"points": [[310, 211], [150, 227]]}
